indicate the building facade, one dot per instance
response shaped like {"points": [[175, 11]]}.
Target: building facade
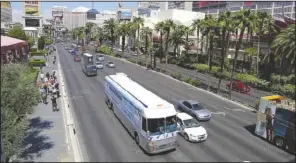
{"points": [[6, 12], [58, 24], [274, 8], [102, 16], [74, 19], [180, 5]]}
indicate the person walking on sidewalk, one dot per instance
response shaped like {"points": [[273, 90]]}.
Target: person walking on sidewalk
{"points": [[54, 104]]}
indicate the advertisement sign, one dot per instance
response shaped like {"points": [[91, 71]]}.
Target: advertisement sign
{"points": [[57, 13], [32, 8], [32, 22], [5, 5], [125, 14], [144, 11]]}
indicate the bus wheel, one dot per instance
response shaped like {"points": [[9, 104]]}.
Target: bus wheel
{"points": [[279, 142], [110, 106], [137, 139]]}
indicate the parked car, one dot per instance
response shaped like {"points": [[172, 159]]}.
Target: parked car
{"points": [[100, 57], [73, 52], [110, 64], [70, 50], [99, 65], [190, 129], [239, 86], [66, 47], [195, 109], [77, 58], [62, 43]]}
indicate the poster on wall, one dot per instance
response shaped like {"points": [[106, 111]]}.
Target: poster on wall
{"points": [[32, 8], [125, 14], [5, 5], [32, 22]]}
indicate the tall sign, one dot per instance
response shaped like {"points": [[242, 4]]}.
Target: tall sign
{"points": [[32, 8], [125, 14], [5, 4]]}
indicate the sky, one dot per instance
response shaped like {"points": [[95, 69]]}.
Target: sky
{"points": [[18, 7]]}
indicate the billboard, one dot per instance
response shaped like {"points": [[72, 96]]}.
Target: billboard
{"points": [[32, 22], [144, 11], [125, 14], [5, 5], [57, 13], [32, 8]]}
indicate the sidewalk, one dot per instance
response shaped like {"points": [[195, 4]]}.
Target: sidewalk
{"points": [[47, 139]]}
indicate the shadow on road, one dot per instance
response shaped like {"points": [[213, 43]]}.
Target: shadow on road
{"points": [[251, 128], [36, 142]]}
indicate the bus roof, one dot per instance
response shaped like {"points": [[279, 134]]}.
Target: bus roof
{"points": [[146, 97], [87, 54]]}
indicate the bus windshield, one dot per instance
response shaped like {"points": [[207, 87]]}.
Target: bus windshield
{"points": [[157, 126]]}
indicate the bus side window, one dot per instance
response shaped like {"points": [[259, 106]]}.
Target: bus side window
{"points": [[144, 127]]}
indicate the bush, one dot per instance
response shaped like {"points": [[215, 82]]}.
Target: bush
{"points": [[37, 62], [35, 72], [203, 68], [215, 70], [289, 90], [247, 79], [187, 80], [33, 49], [176, 76], [195, 82]]}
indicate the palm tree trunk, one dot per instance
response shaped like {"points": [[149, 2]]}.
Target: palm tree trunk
{"points": [[223, 43], [138, 44], [146, 49], [226, 45], [257, 58], [123, 44], [210, 52], [166, 52], [237, 47], [186, 52], [197, 44], [161, 46]]}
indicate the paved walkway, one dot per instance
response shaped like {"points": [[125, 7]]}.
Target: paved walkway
{"points": [[47, 140]]}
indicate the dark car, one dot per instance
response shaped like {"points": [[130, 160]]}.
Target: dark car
{"points": [[77, 58], [90, 70], [73, 52], [239, 86], [76, 49]]}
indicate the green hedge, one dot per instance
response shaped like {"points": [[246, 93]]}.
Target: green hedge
{"points": [[39, 53], [33, 49], [106, 50], [37, 62], [35, 72], [193, 82]]}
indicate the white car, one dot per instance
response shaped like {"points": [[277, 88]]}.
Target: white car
{"points": [[99, 65], [119, 50], [110, 64], [100, 57], [191, 130]]}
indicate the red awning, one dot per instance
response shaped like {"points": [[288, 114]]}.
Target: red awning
{"points": [[9, 43]]}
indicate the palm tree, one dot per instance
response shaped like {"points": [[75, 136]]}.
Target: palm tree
{"points": [[89, 26], [110, 26], [81, 34], [187, 31], [224, 22], [146, 34], [210, 29], [138, 21], [169, 24], [124, 30], [242, 20], [176, 37], [159, 27], [284, 45], [196, 25]]}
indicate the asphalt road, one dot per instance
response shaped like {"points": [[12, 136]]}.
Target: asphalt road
{"points": [[204, 78], [105, 139]]}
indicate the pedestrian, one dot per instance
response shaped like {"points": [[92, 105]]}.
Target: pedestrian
{"points": [[47, 75], [52, 80], [54, 104], [44, 97], [41, 66], [57, 89], [41, 76]]}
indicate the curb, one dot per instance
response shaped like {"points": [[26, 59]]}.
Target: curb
{"points": [[211, 93]]}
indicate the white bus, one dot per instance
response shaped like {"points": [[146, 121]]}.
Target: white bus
{"points": [[150, 119]]}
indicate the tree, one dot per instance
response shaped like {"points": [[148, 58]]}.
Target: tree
{"points": [[187, 31], [41, 43], [88, 30], [159, 27], [196, 25], [30, 41], [110, 27], [138, 21], [17, 32], [176, 37], [146, 34], [18, 96], [242, 20], [124, 30], [284, 46], [169, 25]]}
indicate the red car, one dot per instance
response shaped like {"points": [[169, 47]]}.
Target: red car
{"points": [[239, 86], [77, 58]]}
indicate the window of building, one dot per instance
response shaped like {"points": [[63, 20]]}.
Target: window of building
{"points": [[278, 10], [293, 15], [213, 11], [278, 4], [288, 3], [288, 15], [288, 9], [235, 8]]}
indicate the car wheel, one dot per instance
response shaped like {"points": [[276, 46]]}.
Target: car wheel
{"points": [[186, 137], [137, 139], [279, 142]]}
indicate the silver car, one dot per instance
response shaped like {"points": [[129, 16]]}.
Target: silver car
{"points": [[110, 64], [195, 109], [99, 65]]}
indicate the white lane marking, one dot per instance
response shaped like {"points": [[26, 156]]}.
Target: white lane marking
{"points": [[237, 110], [219, 113]]}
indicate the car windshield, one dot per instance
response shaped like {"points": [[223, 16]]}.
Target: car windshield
{"points": [[101, 56], [198, 106], [156, 126], [98, 63], [189, 123], [110, 63]]}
